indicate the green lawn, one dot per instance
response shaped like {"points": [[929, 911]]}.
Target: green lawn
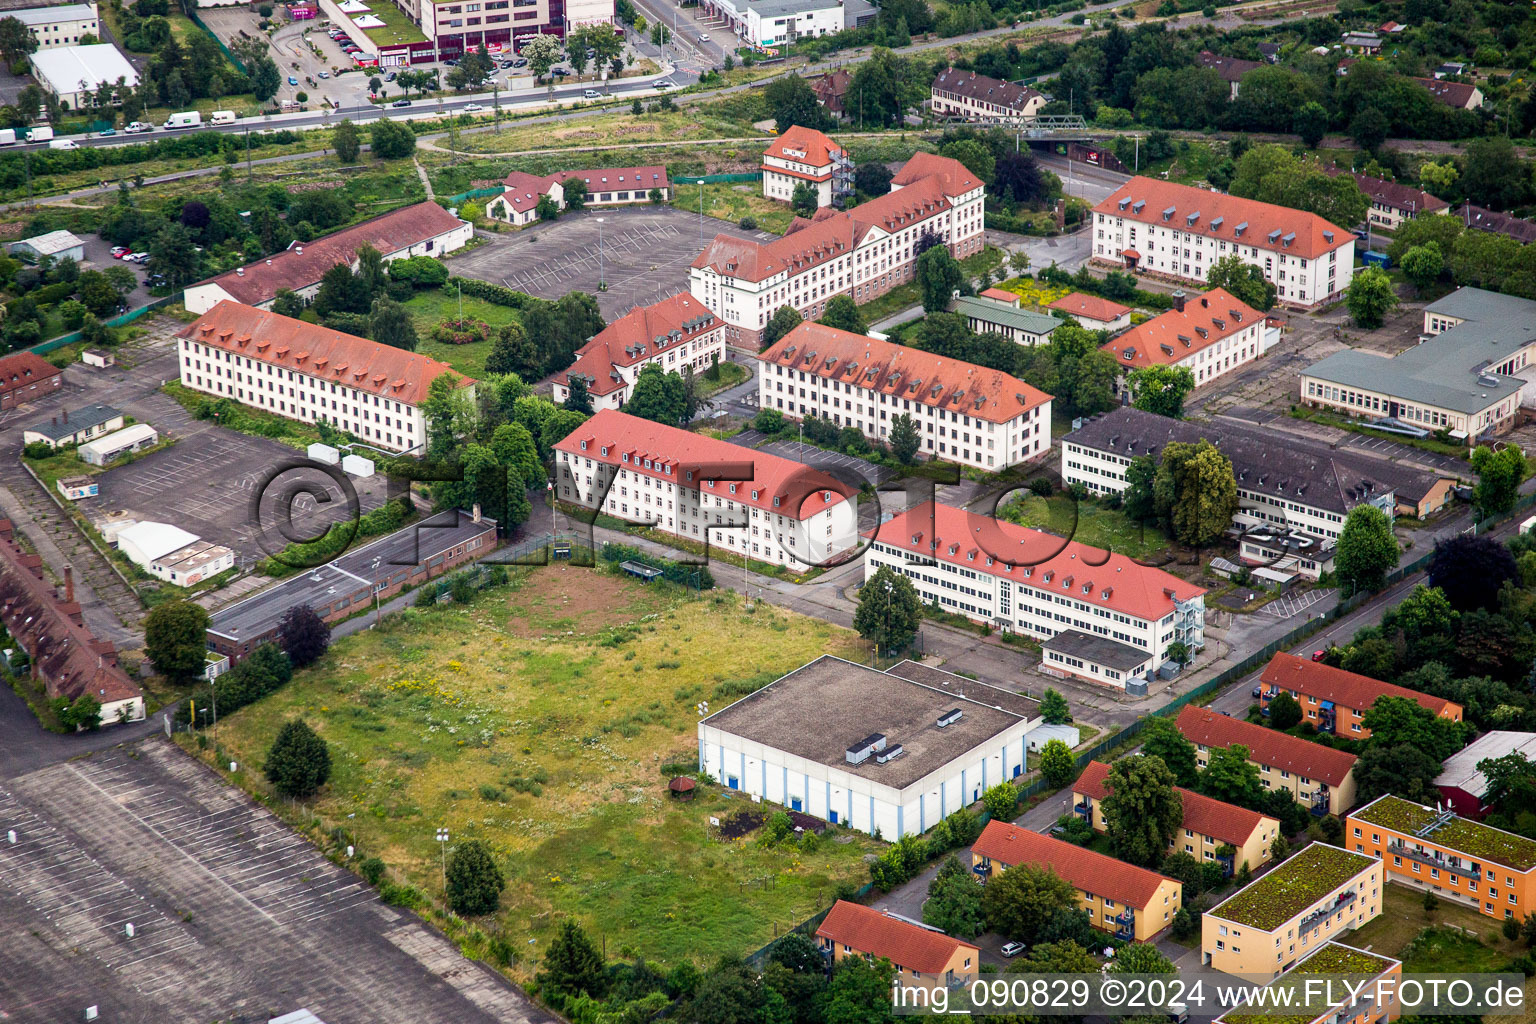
{"points": [[397, 27], [1425, 943], [728, 376], [905, 295], [428, 308], [732, 201], [539, 719], [1087, 523]]}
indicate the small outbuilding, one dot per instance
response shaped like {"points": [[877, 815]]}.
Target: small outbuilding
{"points": [[74, 488], [98, 357], [55, 244], [104, 450], [172, 554]]}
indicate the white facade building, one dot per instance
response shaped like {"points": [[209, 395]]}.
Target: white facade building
{"points": [[73, 73], [309, 373], [672, 334], [876, 751], [172, 554], [1178, 232], [1209, 335], [1021, 580], [963, 412], [972, 97], [707, 491], [774, 23], [63, 25], [863, 252], [804, 156]]}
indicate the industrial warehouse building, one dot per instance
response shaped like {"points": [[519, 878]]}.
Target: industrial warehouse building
{"points": [[74, 73], [871, 750]]}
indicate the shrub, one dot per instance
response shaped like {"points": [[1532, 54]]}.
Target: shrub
{"points": [[467, 331], [372, 870], [748, 223]]}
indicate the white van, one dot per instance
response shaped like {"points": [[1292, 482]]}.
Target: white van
{"points": [[222, 117], [62, 144], [7, 136], [184, 119]]}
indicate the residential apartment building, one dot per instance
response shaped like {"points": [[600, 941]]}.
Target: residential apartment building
{"points": [[671, 334], [1129, 902], [804, 156], [1392, 204], [1092, 312], [967, 96], [1317, 777], [26, 377], [1209, 335], [1480, 218], [1332, 1002], [423, 229], [1177, 232], [708, 491], [1333, 700], [1021, 580], [518, 203], [305, 372], [63, 25], [963, 412], [1265, 928], [1212, 831], [1460, 859], [995, 311], [1468, 379], [924, 957], [862, 252]]}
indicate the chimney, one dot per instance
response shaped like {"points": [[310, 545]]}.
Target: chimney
{"points": [[1178, 300], [474, 513], [69, 584]]}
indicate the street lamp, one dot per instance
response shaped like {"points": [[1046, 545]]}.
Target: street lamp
{"points": [[442, 842], [602, 282]]}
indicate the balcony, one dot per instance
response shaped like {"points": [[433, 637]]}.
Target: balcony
{"points": [[1083, 810], [983, 869], [1227, 863], [1126, 916], [1126, 932], [1436, 860], [1322, 914]]}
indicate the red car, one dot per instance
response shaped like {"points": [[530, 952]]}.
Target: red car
{"points": [[119, 251], [1318, 655]]}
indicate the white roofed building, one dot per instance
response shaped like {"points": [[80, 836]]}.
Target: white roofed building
{"points": [[73, 73], [173, 554]]}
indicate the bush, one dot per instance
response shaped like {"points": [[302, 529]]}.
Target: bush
{"points": [[38, 450], [747, 223], [672, 572], [474, 881], [467, 331], [298, 762], [372, 870], [495, 294]]}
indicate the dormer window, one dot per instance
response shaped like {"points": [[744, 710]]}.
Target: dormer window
{"points": [[1168, 213], [775, 501], [583, 446], [754, 495], [733, 488], [605, 451]]}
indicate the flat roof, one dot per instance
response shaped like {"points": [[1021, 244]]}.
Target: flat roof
{"points": [[822, 708], [64, 68], [109, 443], [1481, 306], [53, 15], [997, 313], [1098, 649], [1471, 838], [358, 569], [1292, 887], [1329, 958], [971, 689], [1460, 769]]}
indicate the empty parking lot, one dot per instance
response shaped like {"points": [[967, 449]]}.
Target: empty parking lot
{"points": [[234, 916], [645, 255]]}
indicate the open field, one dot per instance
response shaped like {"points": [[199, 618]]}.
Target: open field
{"points": [[1086, 523], [618, 128], [429, 307], [734, 200], [538, 719]]}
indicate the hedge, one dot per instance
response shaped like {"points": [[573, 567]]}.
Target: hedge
{"points": [[672, 572], [496, 294], [387, 518], [190, 145]]}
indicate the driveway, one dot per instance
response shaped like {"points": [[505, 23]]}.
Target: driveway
{"points": [[98, 256]]}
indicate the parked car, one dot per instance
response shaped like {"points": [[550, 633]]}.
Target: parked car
{"points": [[324, 74], [520, 62], [1012, 949], [390, 77], [119, 251], [504, 64], [1318, 655], [472, 108], [292, 80], [155, 280], [1257, 690], [703, 37], [559, 72], [137, 257], [401, 103], [591, 94]]}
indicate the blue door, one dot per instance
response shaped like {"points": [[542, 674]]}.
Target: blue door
{"points": [[731, 781], [1018, 770], [833, 817], [794, 803]]}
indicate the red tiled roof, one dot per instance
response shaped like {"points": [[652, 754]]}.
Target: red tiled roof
{"points": [[982, 89], [1090, 306], [637, 335], [1205, 815], [523, 190], [1089, 871], [1231, 69], [1394, 195], [1175, 335], [1452, 94], [831, 89], [891, 369], [867, 930], [1001, 295], [803, 145], [674, 454], [1266, 746], [952, 175], [303, 264], [318, 351], [619, 179], [23, 369], [1219, 216], [1350, 689], [1040, 561]]}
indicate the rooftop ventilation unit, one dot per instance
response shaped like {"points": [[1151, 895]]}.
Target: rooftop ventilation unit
{"points": [[860, 751], [949, 718], [890, 753]]}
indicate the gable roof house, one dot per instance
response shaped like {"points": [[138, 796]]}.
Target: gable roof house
{"points": [[1333, 700], [1459, 95], [673, 333], [1231, 69], [972, 97], [921, 954], [1211, 334], [1318, 777]]}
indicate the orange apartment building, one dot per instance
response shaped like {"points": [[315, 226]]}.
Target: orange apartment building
{"points": [[1334, 700], [1319, 778], [1129, 902], [922, 956], [1455, 857], [1333, 958], [1210, 826]]}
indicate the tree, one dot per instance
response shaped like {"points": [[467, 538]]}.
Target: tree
{"points": [[1494, 175], [347, 141], [175, 638], [872, 177], [390, 324], [1018, 177], [16, 40], [1137, 499], [1370, 298], [1311, 123], [1367, 550], [1245, 282], [1395, 721], [1439, 179], [1369, 129], [860, 992], [1019, 901], [541, 52], [1470, 571], [1053, 707], [1162, 739], [1140, 958], [287, 303], [391, 140], [1160, 389], [264, 76], [1194, 491], [889, 610], [474, 880], [577, 399], [1057, 766], [173, 253], [938, 276], [1229, 776], [1001, 801], [657, 396], [974, 155], [791, 101], [1499, 475], [572, 965], [843, 313], [954, 900], [298, 762], [304, 635], [1401, 769], [876, 93], [1422, 265], [784, 320], [1143, 810], [1273, 174], [1284, 712], [905, 440], [803, 200]]}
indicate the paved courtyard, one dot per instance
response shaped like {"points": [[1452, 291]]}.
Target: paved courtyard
{"points": [[234, 916], [645, 255]]}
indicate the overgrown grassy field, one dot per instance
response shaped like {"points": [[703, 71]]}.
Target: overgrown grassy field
{"points": [[429, 307], [615, 129], [734, 200], [1086, 523], [539, 719]]}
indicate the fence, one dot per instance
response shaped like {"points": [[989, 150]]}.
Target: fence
{"points": [[718, 179], [116, 321], [474, 193]]}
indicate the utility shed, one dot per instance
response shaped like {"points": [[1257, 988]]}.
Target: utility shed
{"points": [[868, 749]]}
